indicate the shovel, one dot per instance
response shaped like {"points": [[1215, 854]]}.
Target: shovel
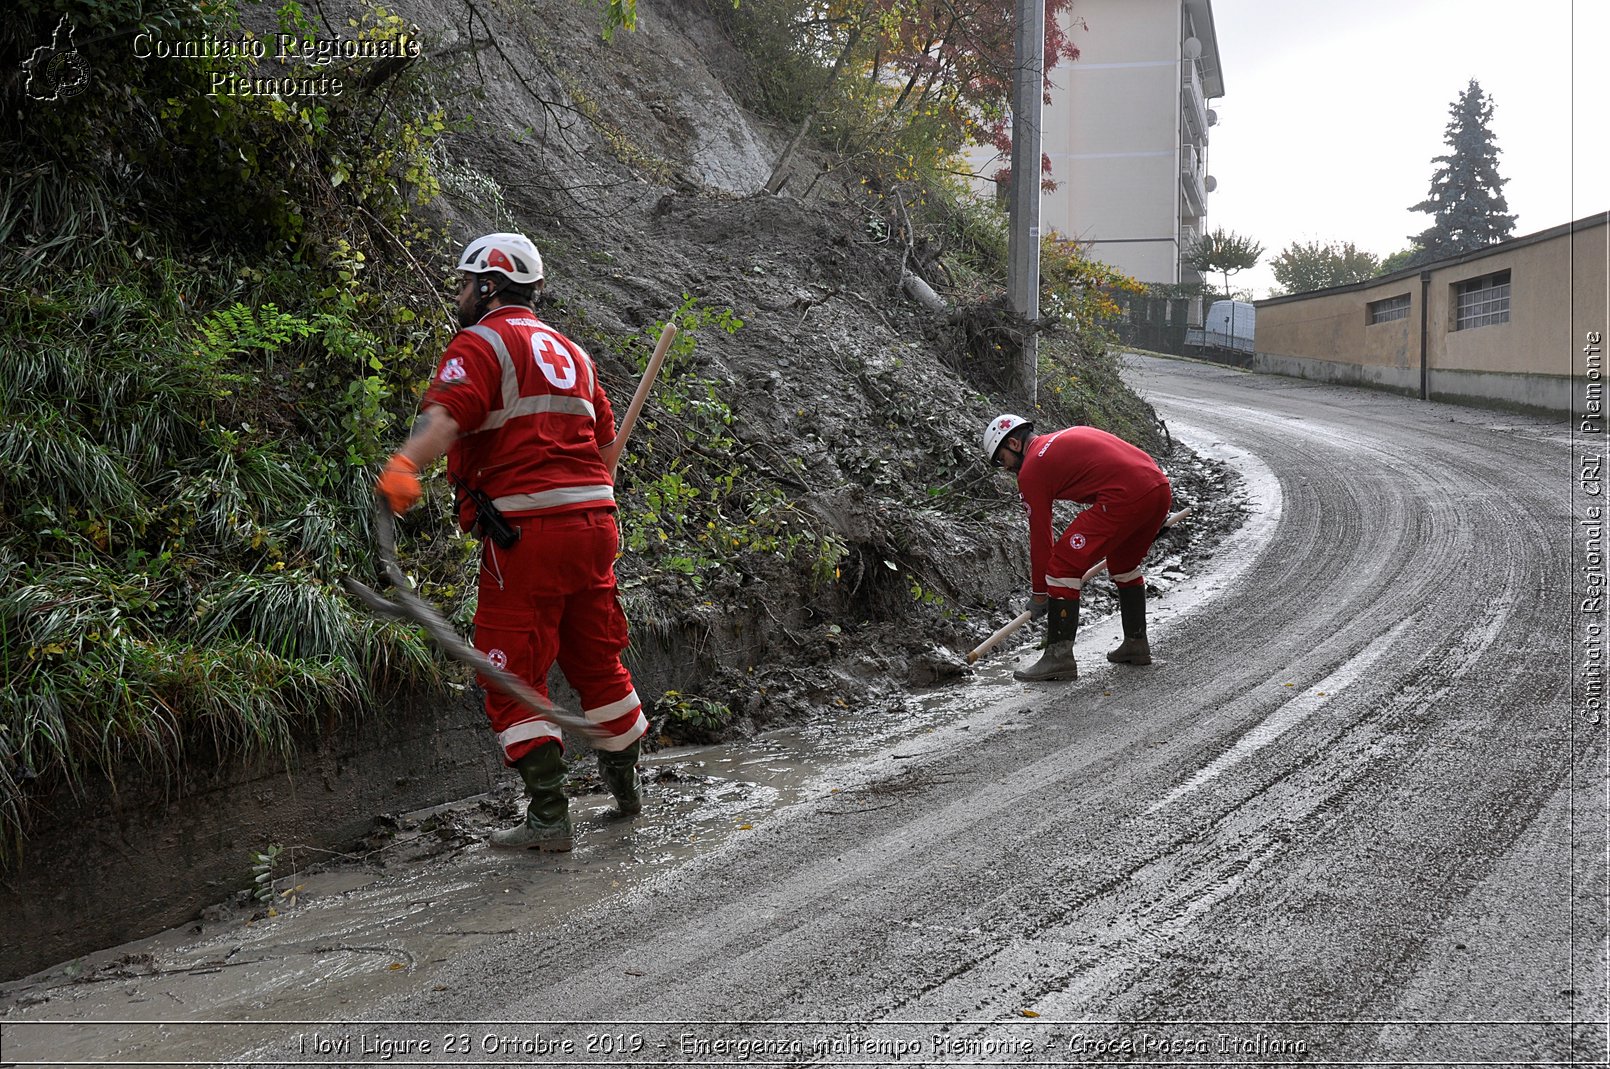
{"points": [[410, 606], [1024, 617]]}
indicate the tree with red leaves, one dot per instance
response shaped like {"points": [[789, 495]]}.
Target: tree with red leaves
{"points": [[958, 55], [916, 81]]}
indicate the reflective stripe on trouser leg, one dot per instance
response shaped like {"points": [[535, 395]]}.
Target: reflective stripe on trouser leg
{"points": [[591, 639], [1061, 586], [623, 728], [1129, 578], [527, 731]]}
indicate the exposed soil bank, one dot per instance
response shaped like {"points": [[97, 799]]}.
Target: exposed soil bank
{"points": [[110, 866]]}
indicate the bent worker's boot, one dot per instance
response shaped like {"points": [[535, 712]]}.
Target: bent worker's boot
{"points": [[547, 817], [1057, 663], [1132, 609], [619, 771]]}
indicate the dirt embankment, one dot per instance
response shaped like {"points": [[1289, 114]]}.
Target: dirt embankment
{"points": [[633, 167], [846, 396]]}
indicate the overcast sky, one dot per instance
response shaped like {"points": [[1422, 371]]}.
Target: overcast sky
{"points": [[1332, 113]]}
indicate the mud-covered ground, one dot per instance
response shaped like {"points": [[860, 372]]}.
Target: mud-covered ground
{"points": [[422, 886], [850, 412], [823, 701]]}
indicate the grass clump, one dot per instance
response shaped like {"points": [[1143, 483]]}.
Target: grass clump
{"points": [[202, 359]]}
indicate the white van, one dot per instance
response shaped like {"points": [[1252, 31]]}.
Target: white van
{"points": [[1229, 326]]}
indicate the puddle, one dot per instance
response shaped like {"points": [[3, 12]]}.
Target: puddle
{"points": [[356, 933]]}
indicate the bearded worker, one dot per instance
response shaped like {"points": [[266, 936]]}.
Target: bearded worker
{"points": [[530, 443], [1129, 498]]}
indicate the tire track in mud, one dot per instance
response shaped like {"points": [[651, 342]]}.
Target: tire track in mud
{"points": [[1310, 879], [1490, 674]]}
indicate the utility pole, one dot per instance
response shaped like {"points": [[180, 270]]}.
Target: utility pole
{"points": [[1023, 242]]}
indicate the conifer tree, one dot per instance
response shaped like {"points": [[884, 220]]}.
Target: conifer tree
{"points": [[1466, 201]]}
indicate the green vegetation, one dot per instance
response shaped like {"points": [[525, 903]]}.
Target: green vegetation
{"points": [[201, 356], [895, 90], [713, 508], [1224, 251], [1304, 266]]}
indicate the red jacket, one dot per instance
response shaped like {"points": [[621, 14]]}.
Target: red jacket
{"points": [[1080, 464], [532, 416]]}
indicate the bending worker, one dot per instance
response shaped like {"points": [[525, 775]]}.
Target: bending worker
{"points": [[530, 443], [1129, 498]]}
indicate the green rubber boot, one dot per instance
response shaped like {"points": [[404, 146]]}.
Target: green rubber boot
{"points": [[547, 817], [1132, 609], [1057, 663], [619, 771]]}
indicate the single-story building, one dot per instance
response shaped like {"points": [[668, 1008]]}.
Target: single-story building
{"points": [[1519, 324]]}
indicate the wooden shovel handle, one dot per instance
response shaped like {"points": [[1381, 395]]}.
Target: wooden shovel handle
{"points": [[1000, 636], [612, 451]]}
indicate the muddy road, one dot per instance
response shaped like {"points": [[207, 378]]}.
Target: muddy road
{"points": [[1349, 815]]}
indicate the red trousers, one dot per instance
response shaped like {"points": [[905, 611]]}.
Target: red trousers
{"points": [[1123, 532], [551, 596]]}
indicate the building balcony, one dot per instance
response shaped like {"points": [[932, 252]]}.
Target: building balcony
{"points": [[1193, 186], [1193, 105]]}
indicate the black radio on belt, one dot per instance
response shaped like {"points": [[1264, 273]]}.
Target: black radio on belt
{"points": [[489, 522]]}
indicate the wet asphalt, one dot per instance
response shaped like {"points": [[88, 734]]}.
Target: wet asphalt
{"points": [[1354, 813]]}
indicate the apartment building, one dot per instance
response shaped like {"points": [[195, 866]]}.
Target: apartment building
{"points": [[1127, 131]]}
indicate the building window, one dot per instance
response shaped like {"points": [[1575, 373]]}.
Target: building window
{"points": [[1480, 302], [1388, 310]]}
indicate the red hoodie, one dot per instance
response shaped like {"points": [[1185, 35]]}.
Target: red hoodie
{"points": [[1080, 464]]}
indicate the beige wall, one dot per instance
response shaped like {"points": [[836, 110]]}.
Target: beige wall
{"points": [[1336, 322], [1527, 361]]}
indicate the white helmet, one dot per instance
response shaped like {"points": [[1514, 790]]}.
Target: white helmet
{"points": [[512, 255], [996, 431]]}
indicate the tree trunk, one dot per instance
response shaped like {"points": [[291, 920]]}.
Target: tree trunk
{"points": [[779, 172]]}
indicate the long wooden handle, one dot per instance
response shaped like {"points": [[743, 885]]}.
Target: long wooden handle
{"points": [[612, 452], [1017, 623], [1173, 518], [1000, 636]]}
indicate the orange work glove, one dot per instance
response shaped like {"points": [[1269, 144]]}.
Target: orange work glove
{"points": [[399, 484]]}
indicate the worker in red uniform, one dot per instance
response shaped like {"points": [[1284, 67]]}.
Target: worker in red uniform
{"points": [[530, 443], [1129, 497]]}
